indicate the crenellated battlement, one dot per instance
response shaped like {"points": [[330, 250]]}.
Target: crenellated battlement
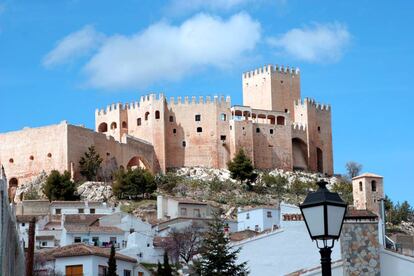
{"points": [[132, 105], [313, 103], [199, 100], [298, 126], [271, 68]]}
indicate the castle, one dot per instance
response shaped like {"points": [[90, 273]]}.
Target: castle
{"points": [[275, 127]]}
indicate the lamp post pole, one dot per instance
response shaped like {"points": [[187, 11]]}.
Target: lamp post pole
{"points": [[326, 261]]}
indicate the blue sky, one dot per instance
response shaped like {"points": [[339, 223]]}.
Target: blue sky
{"points": [[59, 60]]}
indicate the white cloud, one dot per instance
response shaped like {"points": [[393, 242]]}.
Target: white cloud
{"points": [[319, 43], [74, 45], [167, 52]]}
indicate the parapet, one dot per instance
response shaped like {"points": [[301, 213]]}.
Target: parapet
{"points": [[298, 126], [131, 105], [313, 103], [200, 100], [272, 68]]}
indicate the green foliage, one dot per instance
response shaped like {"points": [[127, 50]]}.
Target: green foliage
{"points": [[89, 164], [32, 194], [216, 185], [164, 269], [398, 212], [298, 188], [344, 189], [167, 182], [217, 256], [133, 183], [59, 186], [160, 270], [241, 168], [277, 184], [112, 262]]}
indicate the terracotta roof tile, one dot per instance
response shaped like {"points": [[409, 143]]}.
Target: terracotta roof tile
{"points": [[84, 219], [359, 214], [80, 249]]}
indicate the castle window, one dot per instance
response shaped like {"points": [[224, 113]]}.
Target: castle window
{"points": [[271, 131], [103, 127], [373, 185], [223, 116], [281, 81], [257, 130], [138, 121], [223, 137], [174, 130], [49, 155], [157, 114], [231, 127], [124, 124], [360, 186], [113, 125], [146, 116], [319, 129], [31, 157], [199, 129], [281, 120], [171, 119], [198, 118], [184, 144], [108, 154], [286, 110], [11, 160]]}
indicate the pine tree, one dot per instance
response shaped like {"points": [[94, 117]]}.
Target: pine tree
{"points": [[241, 168], [167, 270], [160, 270], [90, 163], [59, 186], [112, 262], [217, 257]]}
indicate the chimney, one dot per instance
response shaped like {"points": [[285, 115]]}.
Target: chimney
{"points": [[360, 247]]}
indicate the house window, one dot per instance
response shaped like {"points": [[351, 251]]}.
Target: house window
{"points": [[223, 117], [138, 121], [360, 186], [44, 243], [95, 241], [127, 272], [174, 130], [171, 119], [74, 270], [81, 211], [58, 211], [199, 129], [257, 130], [223, 137], [77, 239], [146, 116], [256, 228], [157, 114], [131, 230], [373, 185], [247, 216], [197, 213], [271, 131], [184, 144], [269, 214], [183, 212], [140, 273], [92, 211], [23, 224], [102, 270], [198, 118]]}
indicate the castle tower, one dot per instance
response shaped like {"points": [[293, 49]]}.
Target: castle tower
{"points": [[272, 88], [367, 190]]}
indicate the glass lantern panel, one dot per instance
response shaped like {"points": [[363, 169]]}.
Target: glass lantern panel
{"points": [[314, 219], [335, 217]]}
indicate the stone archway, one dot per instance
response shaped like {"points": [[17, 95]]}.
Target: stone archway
{"points": [[300, 154], [138, 162], [13, 183]]}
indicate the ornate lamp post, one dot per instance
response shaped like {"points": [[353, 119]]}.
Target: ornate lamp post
{"points": [[324, 212]]}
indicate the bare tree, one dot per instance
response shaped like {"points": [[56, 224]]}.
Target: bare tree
{"points": [[184, 243], [353, 169]]}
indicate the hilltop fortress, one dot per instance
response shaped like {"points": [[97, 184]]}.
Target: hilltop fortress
{"points": [[274, 126]]}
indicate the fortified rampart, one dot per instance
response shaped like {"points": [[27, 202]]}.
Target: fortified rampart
{"points": [[274, 126]]}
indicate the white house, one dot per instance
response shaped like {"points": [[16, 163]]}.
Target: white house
{"points": [[145, 248], [82, 259], [258, 219], [80, 207], [172, 207]]}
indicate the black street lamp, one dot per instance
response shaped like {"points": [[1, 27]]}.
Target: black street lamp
{"points": [[324, 212]]}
